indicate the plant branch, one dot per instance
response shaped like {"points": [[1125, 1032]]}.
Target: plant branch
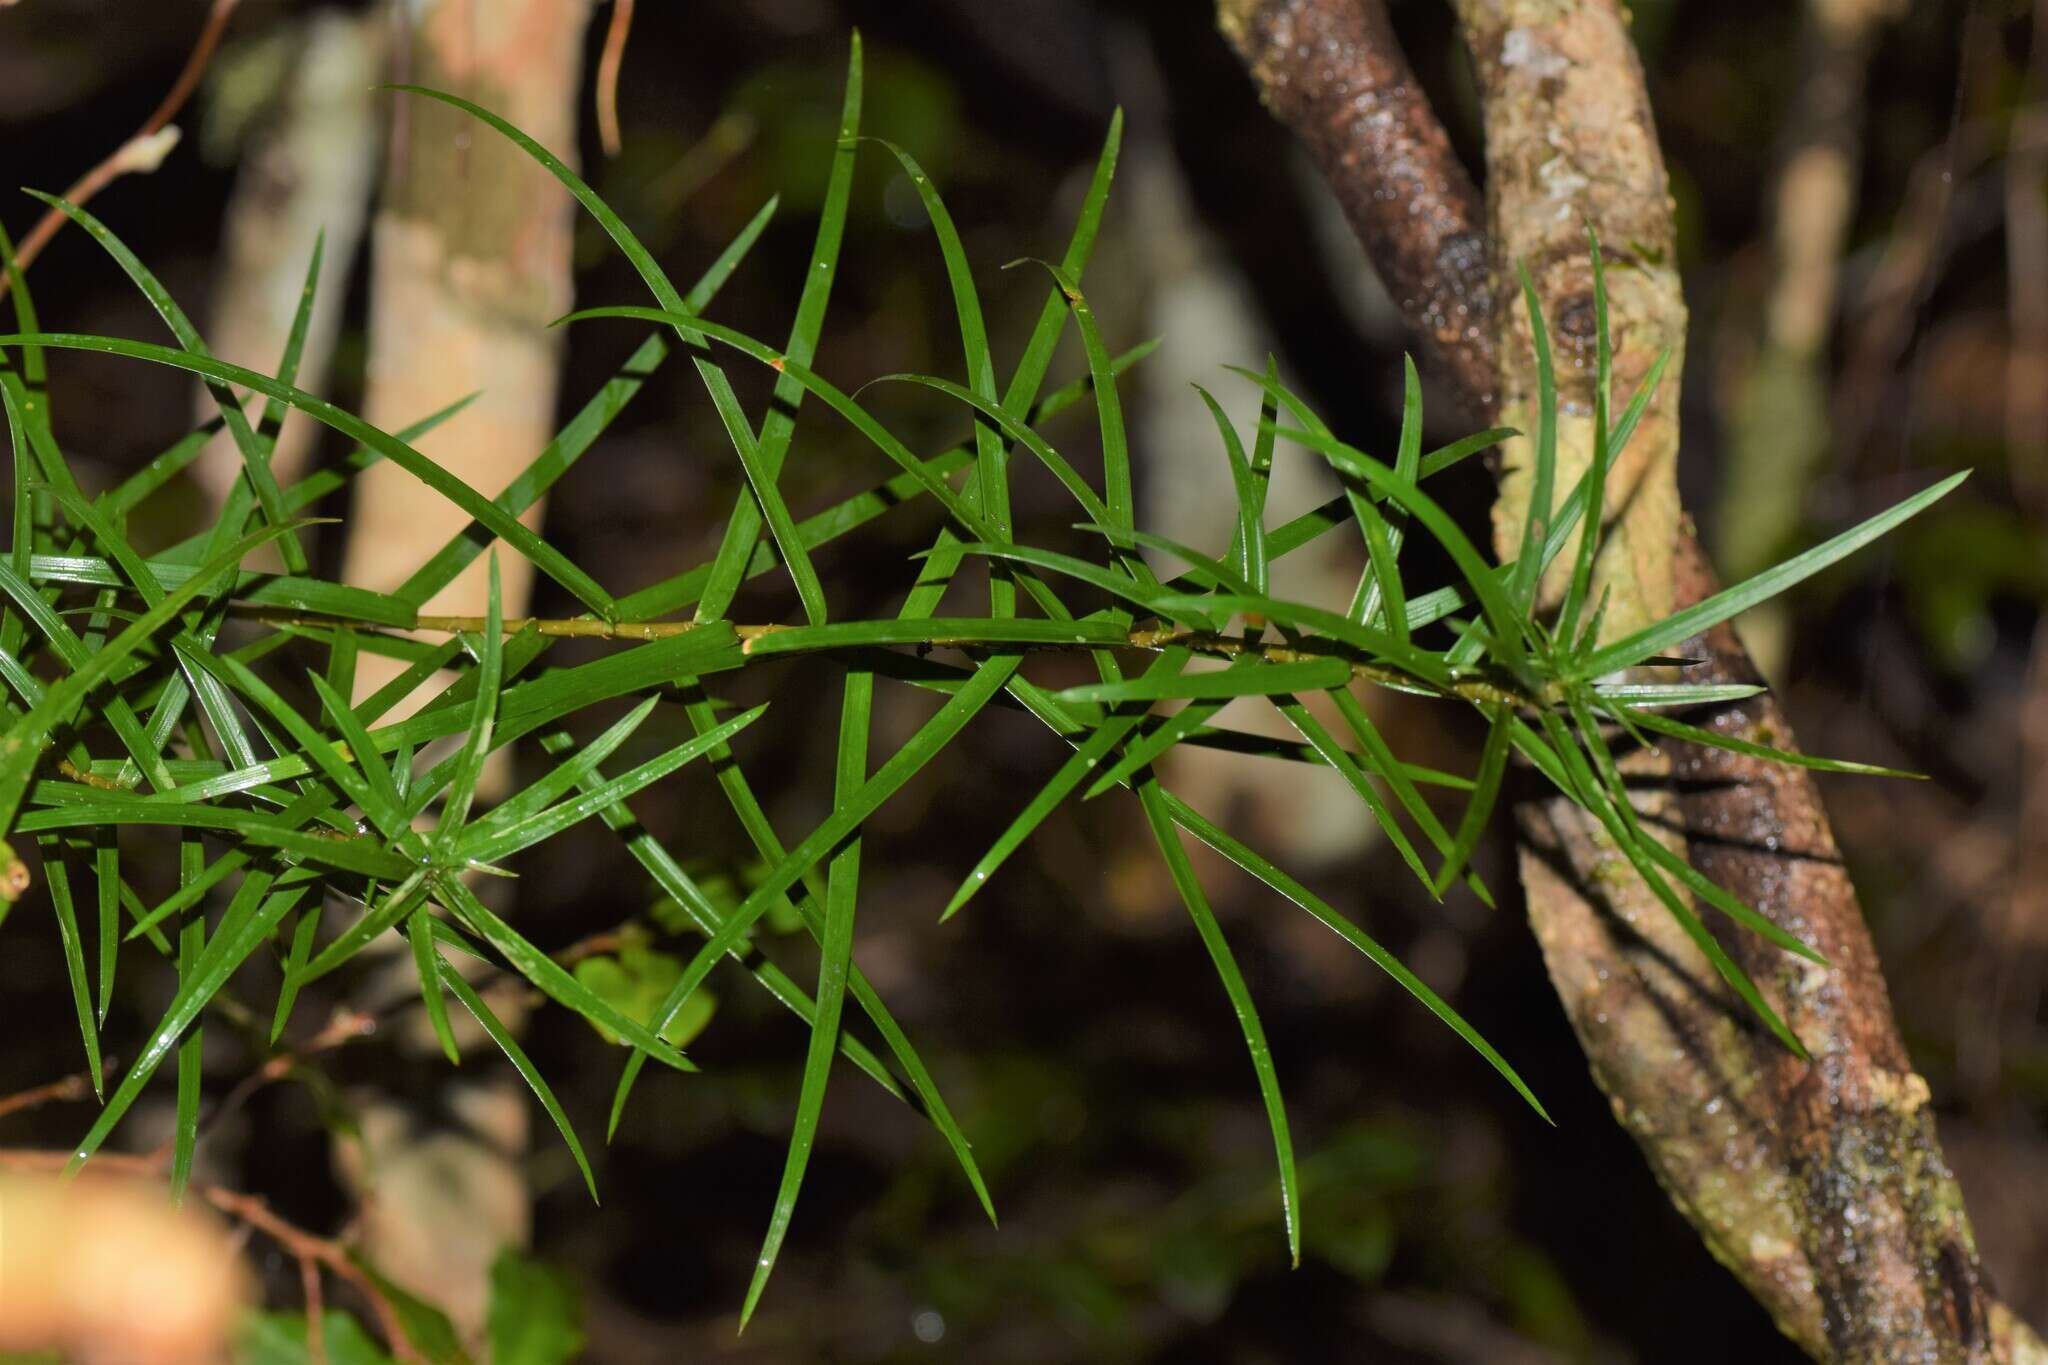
{"points": [[141, 153], [607, 82], [69, 1089], [1152, 638], [1332, 72], [1822, 1185]]}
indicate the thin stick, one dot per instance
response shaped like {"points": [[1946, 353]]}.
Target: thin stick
{"points": [[140, 154], [316, 1311], [345, 1026], [608, 64], [71, 1088]]}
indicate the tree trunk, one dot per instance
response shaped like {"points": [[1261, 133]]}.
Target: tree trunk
{"points": [[308, 171], [1820, 1185], [472, 261]]}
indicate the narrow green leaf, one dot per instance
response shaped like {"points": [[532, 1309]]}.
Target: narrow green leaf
{"points": [[1202, 569], [1734, 744], [991, 455], [1160, 819], [1681, 626], [1536, 528], [407, 892], [1116, 454], [57, 872], [1089, 753], [1386, 765], [1013, 427], [1249, 545], [1209, 833], [1149, 748], [1493, 762], [826, 392], [548, 976], [1337, 757], [567, 775], [1585, 788], [1263, 442], [185, 1132], [191, 891], [545, 557], [322, 482], [255, 455], [383, 788], [243, 929], [779, 424], [489, 845], [1147, 595], [769, 498], [106, 872], [420, 930], [1675, 694], [515, 1054], [1617, 795], [1385, 595], [304, 933], [835, 959], [490, 652], [1499, 606], [1258, 680], [294, 344], [582, 431]]}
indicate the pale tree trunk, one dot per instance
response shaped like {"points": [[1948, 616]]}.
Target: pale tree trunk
{"points": [[1821, 1186], [1779, 437], [472, 261], [307, 171]]}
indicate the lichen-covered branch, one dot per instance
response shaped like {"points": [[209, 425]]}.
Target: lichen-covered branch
{"points": [[1570, 144], [1822, 1185]]}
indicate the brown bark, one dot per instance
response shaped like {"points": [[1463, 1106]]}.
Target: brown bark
{"points": [[1821, 1185], [1333, 73]]}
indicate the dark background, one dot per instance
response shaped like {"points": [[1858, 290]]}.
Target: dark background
{"points": [[1070, 1012]]}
